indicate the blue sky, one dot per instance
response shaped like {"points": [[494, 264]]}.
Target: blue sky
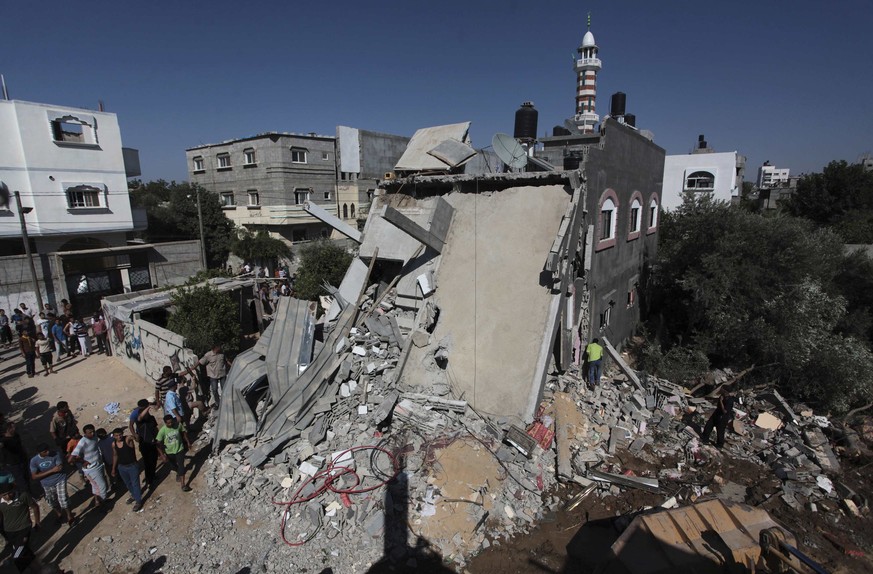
{"points": [[789, 82]]}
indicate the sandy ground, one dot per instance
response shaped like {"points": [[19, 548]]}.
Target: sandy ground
{"points": [[88, 385]]}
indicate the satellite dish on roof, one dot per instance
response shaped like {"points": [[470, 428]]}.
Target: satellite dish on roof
{"points": [[509, 151]]}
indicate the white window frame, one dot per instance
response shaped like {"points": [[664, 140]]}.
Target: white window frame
{"points": [[305, 192], [253, 194], [224, 196], [249, 156], [198, 163], [327, 194], [84, 196], [298, 155], [607, 228], [325, 156], [86, 126], [223, 161], [653, 215], [697, 177]]}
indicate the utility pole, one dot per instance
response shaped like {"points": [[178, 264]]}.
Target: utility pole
{"points": [[202, 240], [35, 283]]}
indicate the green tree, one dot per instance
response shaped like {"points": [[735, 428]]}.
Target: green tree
{"points": [[172, 216], [259, 247], [320, 262], [205, 317], [745, 288], [840, 196]]}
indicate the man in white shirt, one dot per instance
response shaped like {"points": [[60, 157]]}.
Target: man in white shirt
{"points": [[216, 369], [88, 453]]}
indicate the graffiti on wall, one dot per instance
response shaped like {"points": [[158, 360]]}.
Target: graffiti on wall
{"points": [[126, 338]]}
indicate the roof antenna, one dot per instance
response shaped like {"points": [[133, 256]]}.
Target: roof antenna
{"points": [[3, 82], [100, 105]]}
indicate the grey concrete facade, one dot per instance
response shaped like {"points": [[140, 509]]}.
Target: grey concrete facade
{"points": [[84, 276]]}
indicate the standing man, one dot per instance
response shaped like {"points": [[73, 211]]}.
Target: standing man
{"points": [[48, 468], [594, 356], [100, 333], [216, 369], [144, 429], [27, 345], [25, 311], [172, 441], [88, 453], [124, 463], [173, 403], [80, 329], [20, 516], [60, 337], [721, 416], [5, 329], [44, 349], [63, 426]]}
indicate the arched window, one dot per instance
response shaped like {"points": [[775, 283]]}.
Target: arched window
{"points": [[700, 181], [635, 216], [345, 211], [653, 214], [352, 211], [607, 220]]}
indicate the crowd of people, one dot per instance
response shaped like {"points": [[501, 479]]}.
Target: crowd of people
{"points": [[105, 461], [48, 333]]}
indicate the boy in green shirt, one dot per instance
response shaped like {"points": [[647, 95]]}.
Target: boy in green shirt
{"points": [[172, 440]]}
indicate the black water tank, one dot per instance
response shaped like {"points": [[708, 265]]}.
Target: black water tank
{"points": [[631, 120], [616, 107], [560, 131], [572, 162], [526, 122], [701, 143]]}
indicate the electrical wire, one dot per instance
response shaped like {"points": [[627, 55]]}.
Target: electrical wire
{"points": [[326, 480]]}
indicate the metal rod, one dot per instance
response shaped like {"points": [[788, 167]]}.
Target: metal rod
{"points": [[202, 240], [33, 279]]}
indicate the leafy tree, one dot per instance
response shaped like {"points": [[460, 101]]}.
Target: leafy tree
{"points": [[259, 247], [172, 216], [745, 288], [320, 262], [205, 317], [840, 196]]}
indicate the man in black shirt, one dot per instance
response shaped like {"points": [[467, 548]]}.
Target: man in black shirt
{"points": [[724, 412]]}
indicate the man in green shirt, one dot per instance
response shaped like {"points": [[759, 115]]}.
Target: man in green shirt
{"points": [[172, 440], [594, 356]]}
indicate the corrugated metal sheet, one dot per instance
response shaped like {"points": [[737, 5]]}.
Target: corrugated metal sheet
{"points": [[235, 417], [417, 156], [287, 342]]}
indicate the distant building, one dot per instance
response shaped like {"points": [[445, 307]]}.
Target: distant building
{"points": [[718, 174], [264, 181], [771, 177], [71, 171], [867, 162]]}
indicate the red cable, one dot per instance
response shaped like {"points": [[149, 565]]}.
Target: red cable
{"points": [[328, 477]]}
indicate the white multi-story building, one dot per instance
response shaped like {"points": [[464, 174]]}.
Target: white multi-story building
{"points": [[71, 172], [717, 174], [770, 176]]}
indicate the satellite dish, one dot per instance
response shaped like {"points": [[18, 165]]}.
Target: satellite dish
{"points": [[509, 151]]}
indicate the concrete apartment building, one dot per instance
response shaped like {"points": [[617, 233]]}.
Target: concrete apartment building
{"points": [[265, 181], [770, 176], [71, 171], [719, 174]]}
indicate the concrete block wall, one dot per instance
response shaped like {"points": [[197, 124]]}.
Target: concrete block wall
{"points": [[145, 348]]}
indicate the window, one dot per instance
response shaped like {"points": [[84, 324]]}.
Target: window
{"points": [[254, 198], [325, 156], [635, 220], [345, 211], [653, 214], [604, 318], [700, 181], [632, 286], [198, 164], [352, 211], [327, 194], [607, 220], [68, 129], [301, 196], [249, 155], [227, 199], [83, 196], [298, 155], [223, 161]]}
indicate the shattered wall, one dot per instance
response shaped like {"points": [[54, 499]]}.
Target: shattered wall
{"points": [[495, 308]]}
